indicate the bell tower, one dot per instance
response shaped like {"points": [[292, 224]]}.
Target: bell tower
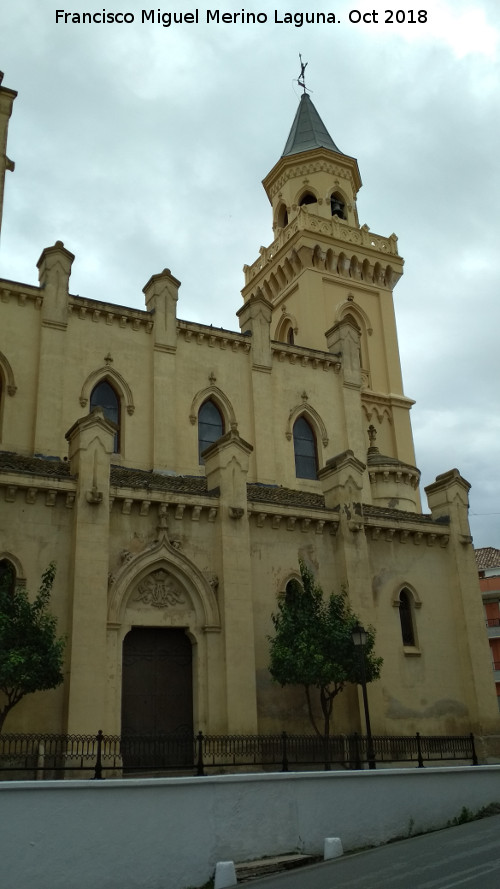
{"points": [[330, 280]]}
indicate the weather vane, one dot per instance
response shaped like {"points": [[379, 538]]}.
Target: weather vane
{"points": [[301, 80]]}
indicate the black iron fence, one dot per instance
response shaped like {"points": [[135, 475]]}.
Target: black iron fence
{"points": [[59, 756], [65, 756]]}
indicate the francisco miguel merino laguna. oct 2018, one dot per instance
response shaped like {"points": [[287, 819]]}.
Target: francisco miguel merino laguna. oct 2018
{"points": [[194, 17]]}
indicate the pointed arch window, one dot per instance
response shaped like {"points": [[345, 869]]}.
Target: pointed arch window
{"points": [[308, 198], [7, 577], [406, 618], [104, 396], [304, 443], [337, 205], [282, 216], [293, 590], [210, 426]]}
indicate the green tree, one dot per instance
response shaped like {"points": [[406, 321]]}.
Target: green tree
{"points": [[313, 646], [31, 654]]}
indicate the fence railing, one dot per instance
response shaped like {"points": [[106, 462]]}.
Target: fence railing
{"points": [[53, 756]]}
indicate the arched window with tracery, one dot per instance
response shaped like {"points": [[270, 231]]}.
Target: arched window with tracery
{"points": [[210, 426], [406, 618], [304, 444], [104, 396]]}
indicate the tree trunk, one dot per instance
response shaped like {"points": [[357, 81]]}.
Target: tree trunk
{"points": [[12, 699], [310, 711]]}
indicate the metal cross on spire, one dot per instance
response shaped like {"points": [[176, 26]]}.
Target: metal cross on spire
{"points": [[301, 79]]}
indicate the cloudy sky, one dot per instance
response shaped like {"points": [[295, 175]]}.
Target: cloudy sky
{"points": [[143, 147]]}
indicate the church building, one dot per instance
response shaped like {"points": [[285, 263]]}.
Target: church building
{"points": [[176, 472]]}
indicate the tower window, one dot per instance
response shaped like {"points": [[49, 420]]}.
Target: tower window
{"points": [[337, 206], [290, 337], [406, 618], [304, 443], [282, 218], [307, 198], [103, 395], [210, 427]]}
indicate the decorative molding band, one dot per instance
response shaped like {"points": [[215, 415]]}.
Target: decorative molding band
{"points": [[276, 518], [31, 489], [307, 168], [22, 293], [175, 507], [390, 533]]}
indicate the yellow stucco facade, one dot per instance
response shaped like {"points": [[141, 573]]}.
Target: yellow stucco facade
{"points": [[146, 536]]}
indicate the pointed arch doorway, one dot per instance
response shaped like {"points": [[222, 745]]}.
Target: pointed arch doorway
{"points": [[157, 697]]}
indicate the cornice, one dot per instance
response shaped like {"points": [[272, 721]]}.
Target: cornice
{"points": [[98, 312], [290, 518], [212, 337], [386, 399], [49, 491], [23, 294], [304, 357]]}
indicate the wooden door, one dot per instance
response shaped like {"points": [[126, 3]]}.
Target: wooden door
{"points": [[157, 695]]}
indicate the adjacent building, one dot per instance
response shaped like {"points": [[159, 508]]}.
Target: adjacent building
{"points": [[488, 566]]}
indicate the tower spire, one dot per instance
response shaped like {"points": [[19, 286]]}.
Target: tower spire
{"points": [[308, 130]]}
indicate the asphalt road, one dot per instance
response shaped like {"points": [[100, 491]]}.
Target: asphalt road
{"points": [[467, 856]]}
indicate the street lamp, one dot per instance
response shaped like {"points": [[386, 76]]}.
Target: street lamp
{"points": [[359, 640]]}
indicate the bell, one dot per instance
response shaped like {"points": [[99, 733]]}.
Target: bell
{"points": [[337, 208]]}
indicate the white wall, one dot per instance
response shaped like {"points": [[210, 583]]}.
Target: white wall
{"points": [[168, 833]]}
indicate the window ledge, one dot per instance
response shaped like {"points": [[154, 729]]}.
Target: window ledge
{"points": [[411, 651]]}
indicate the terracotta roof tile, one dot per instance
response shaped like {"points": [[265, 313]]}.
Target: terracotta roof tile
{"points": [[284, 496], [122, 477], [149, 480], [487, 557], [52, 467], [400, 515]]}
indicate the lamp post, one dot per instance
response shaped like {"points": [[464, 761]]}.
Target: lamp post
{"points": [[359, 640]]}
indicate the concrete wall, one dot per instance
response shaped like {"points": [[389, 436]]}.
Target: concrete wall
{"points": [[169, 833]]}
